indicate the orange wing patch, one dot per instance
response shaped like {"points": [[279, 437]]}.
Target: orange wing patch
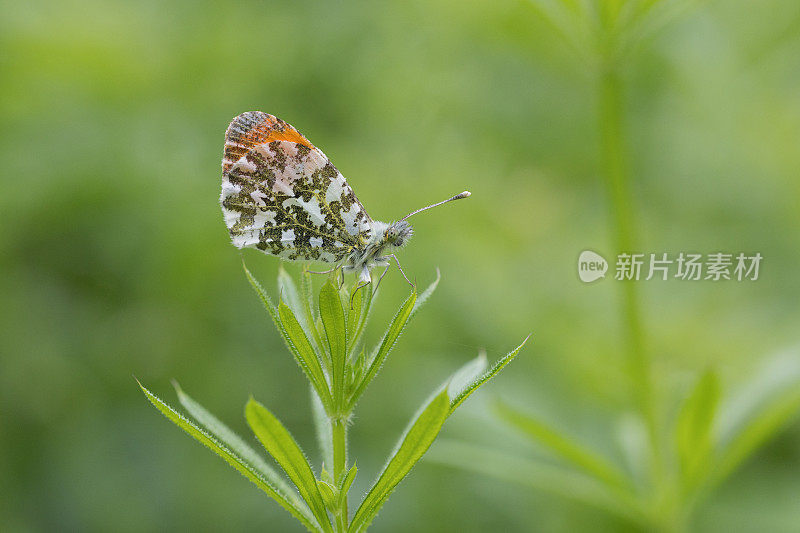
{"points": [[267, 132], [253, 128]]}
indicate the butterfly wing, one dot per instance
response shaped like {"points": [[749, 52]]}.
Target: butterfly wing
{"points": [[252, 128], [281, 195]]}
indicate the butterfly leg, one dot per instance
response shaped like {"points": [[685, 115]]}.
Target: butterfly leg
{"points": [[363, 280], [377, 285], [322, 271], [397, 262], [340, 277]]}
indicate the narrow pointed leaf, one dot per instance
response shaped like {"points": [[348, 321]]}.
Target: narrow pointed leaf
{"points": [[306, 364], [368, 297], [324, 475], [424, 295], [465, 375], [471, 387], [766, 425], [412, 447], [344, 488], [306, 287], [389, 339], [308, 306], [298, 509], [694, 424], [562, 445], [573, 27], [354, 315], [329, 493], [236, 444], [304, 352], [347, 481], [631, 435], [280, 444], [332, 314], [539, 476], [265, 299], [322, 427], [289, 294], [758, 411]]}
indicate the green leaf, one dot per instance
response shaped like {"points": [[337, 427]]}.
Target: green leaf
{"points": [[652, 16], [308, 306], [465, 375], [330, 494], [347, 481], [305, 362], [289, 294], [423, 297], [562, 446], [236, 444], [574, 24], [412, 447], [265, 299], [761, 428], [298, 509], [632, 437], [367, 297], [326, 476], [757, 412], [354, 314], [389, 339], [427, 425], [693, 430], [539, 476], [332, 313], [303, 351], [458, 396], [344, 488], [357, 372], [322, 427], [280, 444]]}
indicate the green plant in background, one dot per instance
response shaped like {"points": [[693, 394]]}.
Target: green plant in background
{"points": [[327, 345], [676, 450], [707, 439]]}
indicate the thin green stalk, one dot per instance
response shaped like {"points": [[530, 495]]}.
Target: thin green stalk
{"points": [[339, 436], [617, 179]]}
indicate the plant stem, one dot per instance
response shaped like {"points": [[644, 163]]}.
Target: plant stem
{"points": [[339, 436], [617, 179]]}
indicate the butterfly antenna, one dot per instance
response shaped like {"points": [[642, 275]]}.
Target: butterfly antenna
{"points": [[459, 196]]}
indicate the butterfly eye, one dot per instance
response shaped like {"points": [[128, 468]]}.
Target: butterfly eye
{"points": [[392, 236], [398, 233]]}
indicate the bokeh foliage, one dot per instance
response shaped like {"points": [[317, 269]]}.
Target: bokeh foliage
{"points": [[115, 258]]}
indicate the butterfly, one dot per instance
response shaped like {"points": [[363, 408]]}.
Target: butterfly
{"points": [[283, 196]]}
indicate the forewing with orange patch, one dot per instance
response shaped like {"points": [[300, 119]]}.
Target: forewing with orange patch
{"points": [[281, 195], [254, 128]]}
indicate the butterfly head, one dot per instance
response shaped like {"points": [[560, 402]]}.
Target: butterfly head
{"points": [[398, 233], [383, 237]]}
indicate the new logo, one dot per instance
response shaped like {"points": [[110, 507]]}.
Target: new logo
{"points": [[591, 266]]}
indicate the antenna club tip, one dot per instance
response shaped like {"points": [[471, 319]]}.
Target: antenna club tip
{"points": [[458, 196]]}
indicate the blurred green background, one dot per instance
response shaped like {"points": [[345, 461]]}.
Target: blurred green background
{"points": [[115, 260]]}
